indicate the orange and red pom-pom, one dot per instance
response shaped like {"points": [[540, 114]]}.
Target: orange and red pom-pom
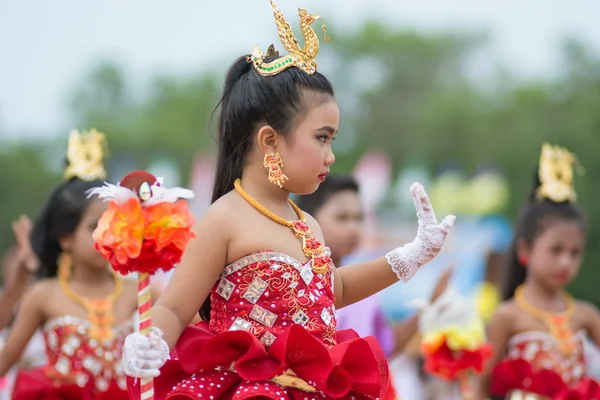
{"points": [[449, 364], [144, 239]]}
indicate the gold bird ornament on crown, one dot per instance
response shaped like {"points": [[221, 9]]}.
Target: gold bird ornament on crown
{"points": [[303, 58], [556, 174], [85, 155]]}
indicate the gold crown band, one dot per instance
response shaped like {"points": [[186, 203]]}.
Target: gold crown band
{"points": [[85, 155], [303, 58], [556, 174]]}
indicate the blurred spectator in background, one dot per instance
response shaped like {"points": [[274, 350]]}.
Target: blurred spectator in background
{"points": [[18, 266], [336, 206]]}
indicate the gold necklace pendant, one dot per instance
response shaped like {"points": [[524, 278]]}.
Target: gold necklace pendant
{"points": [[101, 317], [321, 263], [311, 247], [560, 328], [559, 324], [300, 228], [100, 310]]}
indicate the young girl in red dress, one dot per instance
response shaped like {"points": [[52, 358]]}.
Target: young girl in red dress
{"points": [[538, 332], [258, 268], [84, 310]]}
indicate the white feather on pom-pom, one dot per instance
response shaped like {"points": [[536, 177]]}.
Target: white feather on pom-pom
{"points": [[450, 309], [161, 195], [109, 192]]}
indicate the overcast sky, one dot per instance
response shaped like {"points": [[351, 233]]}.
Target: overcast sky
{"points": [[47, 46]]}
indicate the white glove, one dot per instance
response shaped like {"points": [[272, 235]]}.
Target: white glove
{"points": [[143, 356], [406, 260]]}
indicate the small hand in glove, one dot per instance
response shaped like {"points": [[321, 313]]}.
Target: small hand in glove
{"points": [[143, 356], [406, 260]]}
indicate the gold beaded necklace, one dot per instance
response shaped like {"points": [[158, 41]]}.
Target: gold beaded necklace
{"points": [[100, 310], [312, 248], [558, 324]]}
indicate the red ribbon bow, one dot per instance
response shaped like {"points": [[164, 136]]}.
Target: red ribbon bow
{"points": [[518, 374], [586, 389], [354, 365]]}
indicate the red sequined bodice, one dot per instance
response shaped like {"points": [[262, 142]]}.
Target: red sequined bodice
{"points": [[272, 334], [537, 364], [265, 293], [75, 358], [541, 350]]}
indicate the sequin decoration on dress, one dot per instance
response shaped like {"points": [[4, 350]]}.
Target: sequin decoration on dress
{"points": [[272, 333], [78, 367], [536, 364]]}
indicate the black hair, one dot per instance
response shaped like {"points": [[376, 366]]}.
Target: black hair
{"points": [[59, 217], [250, 101], [311, 203], [534, 219]]}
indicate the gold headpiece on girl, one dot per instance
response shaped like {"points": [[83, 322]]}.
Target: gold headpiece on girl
{"points": [[301, 58], [85, 155], [556, 174]]}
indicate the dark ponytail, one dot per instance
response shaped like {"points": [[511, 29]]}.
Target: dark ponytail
{"points": [[234, 145], [250, 101], [515, 273], [59, 217], [532, 222]]}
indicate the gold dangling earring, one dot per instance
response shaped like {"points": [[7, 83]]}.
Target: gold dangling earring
{"points": [[64, 266], [274, 163]]}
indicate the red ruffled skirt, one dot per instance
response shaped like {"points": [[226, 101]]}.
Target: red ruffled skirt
{"points": [[35, 385], [235, 365], [519, 375]]}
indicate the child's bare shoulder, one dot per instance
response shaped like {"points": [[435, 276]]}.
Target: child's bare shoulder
{"points": [[44, 287], [586, 308], [506, 311], [223, 213], [221, 209]]}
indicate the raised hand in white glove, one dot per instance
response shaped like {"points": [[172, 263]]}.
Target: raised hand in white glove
{"points": [[431, 236], [143, 356]]}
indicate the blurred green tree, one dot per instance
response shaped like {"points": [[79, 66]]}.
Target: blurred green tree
{"points": [[410, 95]]}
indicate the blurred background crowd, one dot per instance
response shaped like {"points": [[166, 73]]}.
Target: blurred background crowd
{"points": [[459, 96]]}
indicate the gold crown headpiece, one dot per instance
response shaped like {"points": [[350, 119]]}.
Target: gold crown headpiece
{"points": [[297, 57], [85, 155], [556, 174]]}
